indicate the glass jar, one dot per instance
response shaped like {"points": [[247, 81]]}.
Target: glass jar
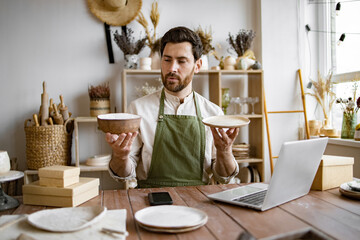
{"points": [[225, 99], [348, 125]]}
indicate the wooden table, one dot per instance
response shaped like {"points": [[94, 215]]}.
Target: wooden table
{"points": [[327, 212]]}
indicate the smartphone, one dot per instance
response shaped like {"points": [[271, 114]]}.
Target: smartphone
{"points": [[159, 198]]}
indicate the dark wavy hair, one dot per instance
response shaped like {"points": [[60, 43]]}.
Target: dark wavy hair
{"points": [[182, 34]]}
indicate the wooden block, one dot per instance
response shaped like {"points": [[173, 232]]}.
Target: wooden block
{"points": [[58, 182], [82, 186], [59, 171], [58, 201], [332, 172]]}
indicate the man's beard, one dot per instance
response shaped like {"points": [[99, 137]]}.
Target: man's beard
{"points": [[176, 87]]}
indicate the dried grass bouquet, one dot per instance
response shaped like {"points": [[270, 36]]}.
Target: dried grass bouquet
{"points": [[127, 43], [152, 41], [323, 94], [99, 91], [206, 39], [242, 41]]}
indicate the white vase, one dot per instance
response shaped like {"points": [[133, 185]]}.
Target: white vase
{"points": [[145, 63], [155, 60], [4, 162], [205, 62], [131, 61]]}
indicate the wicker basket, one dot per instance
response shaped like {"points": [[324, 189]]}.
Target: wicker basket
{"points": [[48, 145]]}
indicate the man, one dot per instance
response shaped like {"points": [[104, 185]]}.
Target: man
{"points": [[173, 147]]}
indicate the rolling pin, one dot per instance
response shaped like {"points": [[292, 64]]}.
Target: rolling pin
{"points": [[44, 109], [58, 119], [51, 108], [36, 120], [50, 121], [63, 109]]}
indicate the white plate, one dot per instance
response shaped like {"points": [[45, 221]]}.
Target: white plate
{"points": [[11, 175], [244, 175], [347, 191], [354, 185], [66, 219], [170, 217], [172, 230], [99, 160], [226, 121]]}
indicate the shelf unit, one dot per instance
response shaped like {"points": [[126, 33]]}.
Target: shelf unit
{"points": [[216, 80], [83, 167]]}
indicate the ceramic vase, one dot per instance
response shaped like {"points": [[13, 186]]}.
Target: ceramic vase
{"points": [[205, 62], [131, 61], [155, 60], [145, 63], [348, 125]]}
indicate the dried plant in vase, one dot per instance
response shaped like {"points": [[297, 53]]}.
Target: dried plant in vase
{"points": [[206, 39], [127, 43], [99, 99], [349, 106], [324, 95], [152, 41], [242, 41]]}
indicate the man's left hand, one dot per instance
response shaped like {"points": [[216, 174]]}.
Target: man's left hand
{"points": [[224, 140]]}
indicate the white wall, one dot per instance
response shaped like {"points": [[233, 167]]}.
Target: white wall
{"points": [[60, 42]]}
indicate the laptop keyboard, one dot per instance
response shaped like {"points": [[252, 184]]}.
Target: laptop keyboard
{"points": [[253, 199]]}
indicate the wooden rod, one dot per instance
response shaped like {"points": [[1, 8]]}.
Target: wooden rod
{"points": [[268, 135], [292, 111], [304, 105]]}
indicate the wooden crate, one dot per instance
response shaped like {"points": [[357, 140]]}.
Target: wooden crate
{"points": [[332, 172]]}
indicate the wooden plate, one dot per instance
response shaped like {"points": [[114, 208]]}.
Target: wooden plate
{"points": [[226, 121]]}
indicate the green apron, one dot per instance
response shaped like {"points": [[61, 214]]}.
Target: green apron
{"points": [[179, 150]]}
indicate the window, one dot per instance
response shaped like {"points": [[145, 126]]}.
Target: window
{"points": [[346, 53], [342, 57]]}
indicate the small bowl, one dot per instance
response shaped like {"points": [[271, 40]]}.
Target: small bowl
{"points": [[117, 123]]}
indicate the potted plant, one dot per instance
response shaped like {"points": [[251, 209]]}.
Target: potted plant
{"points": [[241, 44], [129, 47], [325, 97], [99, 99], [206, 39], [152, 41]]}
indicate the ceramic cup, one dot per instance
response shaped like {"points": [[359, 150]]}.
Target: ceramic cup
{"points": [[145, 63], [4, 162]]}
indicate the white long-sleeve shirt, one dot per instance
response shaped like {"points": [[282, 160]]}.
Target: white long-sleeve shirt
{"points": [[148, 108]]}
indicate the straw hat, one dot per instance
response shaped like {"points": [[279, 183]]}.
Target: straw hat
{"points": [[115, 12]]}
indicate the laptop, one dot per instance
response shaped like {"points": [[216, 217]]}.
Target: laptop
{"points": [[292, 177]]}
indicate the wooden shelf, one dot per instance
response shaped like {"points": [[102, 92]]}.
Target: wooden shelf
{"points": [[216, 80], [84, 167], [248, 160]]}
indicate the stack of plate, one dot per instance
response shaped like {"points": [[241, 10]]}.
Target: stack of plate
{"points": [[351, 189], [241, 151], [99, 160], [171, 219], [249, 174]]}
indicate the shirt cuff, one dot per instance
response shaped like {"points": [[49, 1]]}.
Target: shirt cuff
{"points": [[225, 180], [121, 179]]}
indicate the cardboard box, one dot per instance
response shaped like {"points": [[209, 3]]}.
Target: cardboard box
{"points": [[332, 172], [70, 196], [59, 172], [58, 182]]}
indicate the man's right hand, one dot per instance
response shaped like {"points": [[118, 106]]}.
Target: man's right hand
{"points": [[121, 146]]}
